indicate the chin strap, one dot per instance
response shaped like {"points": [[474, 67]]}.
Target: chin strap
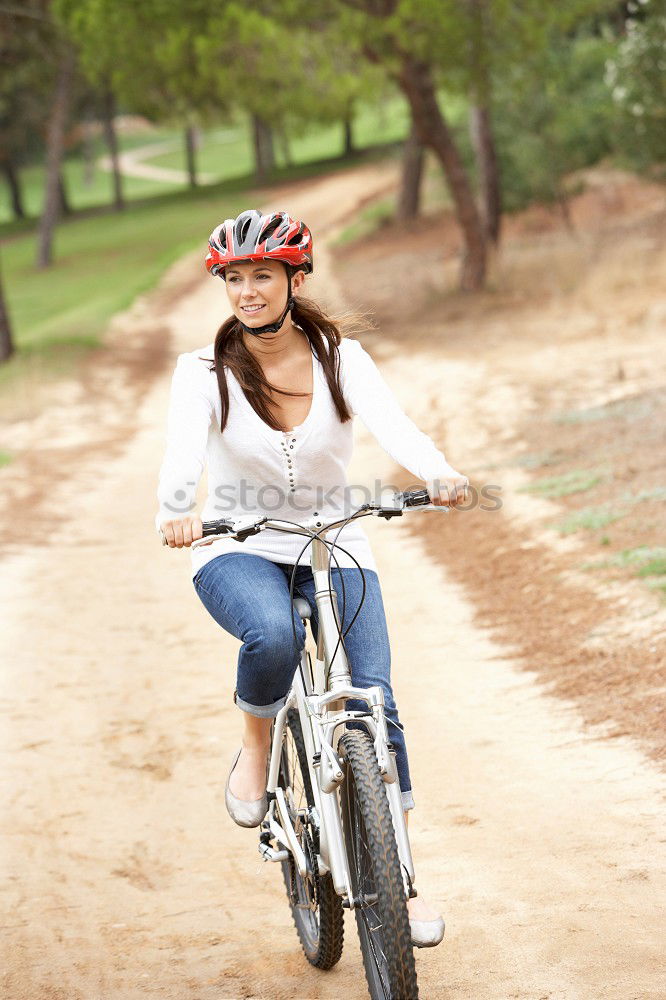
{"points": [[272, 327]]}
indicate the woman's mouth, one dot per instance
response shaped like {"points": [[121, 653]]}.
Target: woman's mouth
{"points": [[251, 310]]}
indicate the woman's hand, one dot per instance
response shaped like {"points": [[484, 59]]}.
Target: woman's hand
{"points": [[182, 532], [451, 490]]}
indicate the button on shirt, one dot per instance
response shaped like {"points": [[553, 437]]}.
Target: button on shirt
{"points": [[254, 470]]}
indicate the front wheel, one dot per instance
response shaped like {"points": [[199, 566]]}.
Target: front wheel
{"points": [[376, 877], [315, 905]]}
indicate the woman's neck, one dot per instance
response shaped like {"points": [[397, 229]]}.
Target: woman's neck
{"points": [[276, 347]]}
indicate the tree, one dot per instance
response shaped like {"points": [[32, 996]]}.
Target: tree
{"points": [[6, 341], [24, 54], [412, 175], [151, 56], [55, 141]]}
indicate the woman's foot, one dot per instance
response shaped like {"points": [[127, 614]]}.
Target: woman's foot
{"points": [[427, 926], [247, 781], [246, 811]]}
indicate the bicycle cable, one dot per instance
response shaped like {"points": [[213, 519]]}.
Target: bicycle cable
{"points": [[342, 632]]}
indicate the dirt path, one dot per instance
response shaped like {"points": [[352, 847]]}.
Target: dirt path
{"points": [[124, 875], [132, 165]]}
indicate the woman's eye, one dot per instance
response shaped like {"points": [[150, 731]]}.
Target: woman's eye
{"points": [[263, 275]]}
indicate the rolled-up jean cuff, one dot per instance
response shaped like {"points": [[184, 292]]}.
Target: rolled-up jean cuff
{"points": [[407, 800], [261, 711]]}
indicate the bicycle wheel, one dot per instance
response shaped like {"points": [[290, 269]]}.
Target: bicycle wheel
{"points": [[315, 905], [381, 909]]}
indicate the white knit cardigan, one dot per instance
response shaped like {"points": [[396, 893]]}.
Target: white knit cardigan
{"points": [[254, 470]]}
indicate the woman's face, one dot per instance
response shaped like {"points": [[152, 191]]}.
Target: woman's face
{"points": [[257, 290]]}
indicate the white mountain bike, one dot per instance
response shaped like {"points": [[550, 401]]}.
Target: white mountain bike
{"points": [[335, 821]]}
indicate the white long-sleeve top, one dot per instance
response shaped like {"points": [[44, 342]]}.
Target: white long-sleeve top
{"points": [[254, 470]]}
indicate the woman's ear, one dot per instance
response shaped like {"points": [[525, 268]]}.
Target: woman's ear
{"points": [[297, 280]]}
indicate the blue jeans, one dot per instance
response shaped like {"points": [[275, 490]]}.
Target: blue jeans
{"points": [[248, 596]]}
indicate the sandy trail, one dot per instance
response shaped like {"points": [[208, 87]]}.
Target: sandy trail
{"points": [[124, 875], [131, 164]]}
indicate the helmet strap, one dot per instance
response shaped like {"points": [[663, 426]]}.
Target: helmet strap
{"points": [[273, 327]]}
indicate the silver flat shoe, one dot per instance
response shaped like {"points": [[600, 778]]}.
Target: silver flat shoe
{"points": [[426, 933], [244, 813]]}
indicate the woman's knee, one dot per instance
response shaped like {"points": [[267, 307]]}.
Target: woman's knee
{"points": [[275, 639]]}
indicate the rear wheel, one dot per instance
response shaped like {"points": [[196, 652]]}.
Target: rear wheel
{"points": [[376, 877], [315, 905]]}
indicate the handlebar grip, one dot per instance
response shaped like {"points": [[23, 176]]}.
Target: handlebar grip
{"points": [[416, 498], [216, 527]]}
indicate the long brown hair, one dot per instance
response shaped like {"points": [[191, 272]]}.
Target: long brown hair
{"points": [[230, 351]]}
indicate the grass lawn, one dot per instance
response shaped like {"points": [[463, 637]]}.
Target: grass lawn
{"points": [[226, 153]]}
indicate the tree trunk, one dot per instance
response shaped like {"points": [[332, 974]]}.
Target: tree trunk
{"points": [[412, 174], [109, 117], [417, 85], [55, 139], [264, 156], [64, 205], [190, 153], [14, 185], [282, 139], [6, 341], [483, 142], [348, 135], [89, 152]]}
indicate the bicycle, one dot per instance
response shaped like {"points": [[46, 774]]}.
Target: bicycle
{"points": [[335, 821]]}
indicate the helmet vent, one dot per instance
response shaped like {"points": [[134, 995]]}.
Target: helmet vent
{"points": [[296, 238], [270, 229], [242, 230]]}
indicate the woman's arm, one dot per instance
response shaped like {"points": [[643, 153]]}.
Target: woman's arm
{"points": [[370, 398], [188, 421]]}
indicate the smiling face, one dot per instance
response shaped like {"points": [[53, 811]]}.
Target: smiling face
{"points": [[257, 290]]}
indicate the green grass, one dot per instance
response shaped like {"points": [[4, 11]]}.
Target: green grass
{"points": [[632, 408], [5, 458], [101, 265], [655, 566], [227, 152], [647, 561], [575, 481], [370, 218], [589, 519], [84, 192], [642, 555]]}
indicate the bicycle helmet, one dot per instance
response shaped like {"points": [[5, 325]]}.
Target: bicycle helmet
{"points": [[253, 236]]}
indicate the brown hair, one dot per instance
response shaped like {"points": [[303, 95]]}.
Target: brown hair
{"points": [[230, 351]]}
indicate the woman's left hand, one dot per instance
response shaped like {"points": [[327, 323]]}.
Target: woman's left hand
{"points": [[449, 491]]}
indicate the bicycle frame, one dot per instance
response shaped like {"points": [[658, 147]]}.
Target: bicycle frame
{"points": [[323, 717]]}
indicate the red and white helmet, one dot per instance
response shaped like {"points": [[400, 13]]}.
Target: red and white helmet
{"points": [[253, 236]]}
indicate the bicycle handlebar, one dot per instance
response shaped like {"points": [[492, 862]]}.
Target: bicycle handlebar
{"points": [[410, 499]]}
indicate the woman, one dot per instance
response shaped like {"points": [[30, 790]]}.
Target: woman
{"points": [[269, 406]]}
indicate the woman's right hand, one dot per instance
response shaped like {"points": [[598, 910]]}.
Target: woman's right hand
{"points": [[182, 532]]}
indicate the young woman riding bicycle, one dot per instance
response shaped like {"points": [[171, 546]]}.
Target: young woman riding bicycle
{"points": [[269, 408]]}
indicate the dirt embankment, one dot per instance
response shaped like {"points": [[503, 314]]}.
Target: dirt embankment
{"points": [[549, 390]]}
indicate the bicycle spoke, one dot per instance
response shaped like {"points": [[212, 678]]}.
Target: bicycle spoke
{"points": [[361, 853], [384, 965]]}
